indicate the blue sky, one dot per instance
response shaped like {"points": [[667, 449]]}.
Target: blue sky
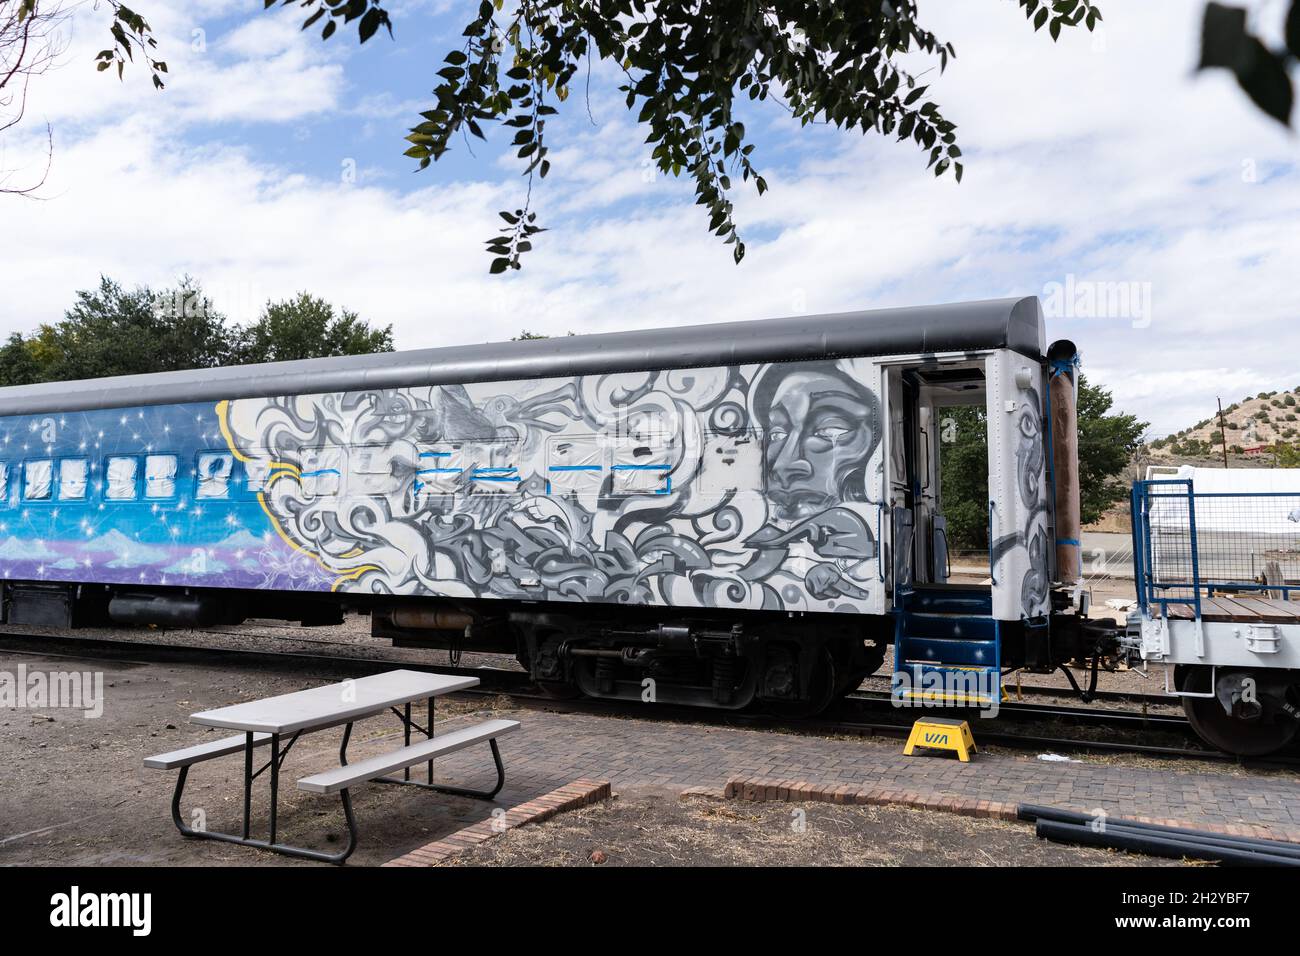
{"points": [[1100, 165]]}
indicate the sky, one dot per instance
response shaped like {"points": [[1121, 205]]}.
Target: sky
{"points": [[1154, 210]]}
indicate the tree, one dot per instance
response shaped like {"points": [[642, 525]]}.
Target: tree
{"points": [[1228, 43], [1107, 442], [686, 66], [30, 42], [32, 38], [306, 326], [964, 475], [114, 331]]}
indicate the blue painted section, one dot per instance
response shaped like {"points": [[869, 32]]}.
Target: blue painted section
{"points": [[176, 538]]}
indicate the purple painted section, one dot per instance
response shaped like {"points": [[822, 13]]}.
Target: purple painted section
{"points": [[241, 560]]}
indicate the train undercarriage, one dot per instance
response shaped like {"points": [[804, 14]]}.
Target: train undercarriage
{"points": [[793, 666]]}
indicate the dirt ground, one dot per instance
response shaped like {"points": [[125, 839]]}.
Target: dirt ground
{"points": [[662, 830], [74, 792]]}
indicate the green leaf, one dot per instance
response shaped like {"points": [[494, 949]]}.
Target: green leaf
{"points": [[499, 265]]}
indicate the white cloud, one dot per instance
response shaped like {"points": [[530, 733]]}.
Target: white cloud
{"points": [[1107, 161]]}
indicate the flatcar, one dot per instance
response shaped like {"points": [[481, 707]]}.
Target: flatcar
{"points": [[726, 515]]}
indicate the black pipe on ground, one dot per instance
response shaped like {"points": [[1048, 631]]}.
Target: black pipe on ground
{"points": [[1032, 812], [1154, 845]]}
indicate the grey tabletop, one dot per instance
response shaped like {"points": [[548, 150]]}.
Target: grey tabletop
{"points": [[333, 704]]}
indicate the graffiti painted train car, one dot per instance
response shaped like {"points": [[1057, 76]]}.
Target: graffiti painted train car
{"points": [[726, 513]]}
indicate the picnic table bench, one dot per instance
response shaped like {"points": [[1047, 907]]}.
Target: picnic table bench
{"points": [[268, 721]]}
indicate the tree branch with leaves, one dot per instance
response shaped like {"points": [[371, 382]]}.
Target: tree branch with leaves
{"points": [[686, 66]]}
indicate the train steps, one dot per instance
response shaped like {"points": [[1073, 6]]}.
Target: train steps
{"points": [[947, 649]]}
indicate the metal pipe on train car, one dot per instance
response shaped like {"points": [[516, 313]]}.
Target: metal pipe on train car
{"points": [[430, 619], [1063, 405]]}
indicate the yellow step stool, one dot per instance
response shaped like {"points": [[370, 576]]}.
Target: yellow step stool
{"points": [[942, 733]]}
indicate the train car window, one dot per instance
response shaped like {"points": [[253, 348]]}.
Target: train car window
{"points": [[376, 470], [493, 465], [37, 477], [256, 471], [322, 471], [122, 478], [574, 465], [731, 462], [73, 473], [643, 467], [159, 476], [438, 468], [214, 470]]}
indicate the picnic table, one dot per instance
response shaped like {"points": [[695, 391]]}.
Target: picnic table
{"points": [[269, 721]]}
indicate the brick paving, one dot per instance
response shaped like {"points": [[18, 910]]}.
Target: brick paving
{"points": [[554, 748]]}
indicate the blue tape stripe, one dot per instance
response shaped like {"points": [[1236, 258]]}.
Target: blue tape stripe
{"points": [[494, 471], [643, 467], [574, 468], [320, 471], [1072, 541], [439, 471], [496, 478]]}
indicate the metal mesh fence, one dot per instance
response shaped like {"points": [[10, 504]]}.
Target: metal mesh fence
{"points": [[1222, 541]]}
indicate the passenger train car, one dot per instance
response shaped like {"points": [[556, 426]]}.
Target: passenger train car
{"points": [[719, 515]]}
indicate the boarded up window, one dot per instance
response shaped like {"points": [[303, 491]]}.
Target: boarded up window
{"points": [[72, 478], [377, 469], [214, 475], [438, 468], [731, 463], [322, 471], [36, 479], [4, 482], [574, 465], [159, 476], [492, 465], [256, 471], [122, 478], [642, 467]]}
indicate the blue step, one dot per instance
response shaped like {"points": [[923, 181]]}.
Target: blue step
{"points": [[950, 600], [952, 626], [937, 650], [954, 686], [960, 654]]}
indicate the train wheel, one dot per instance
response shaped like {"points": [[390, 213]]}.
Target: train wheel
{"points": [[1254, 728], [559, 690], [821, 691]]}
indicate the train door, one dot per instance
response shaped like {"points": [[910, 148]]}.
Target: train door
{"points": [[1020, 548], [934, 408]]}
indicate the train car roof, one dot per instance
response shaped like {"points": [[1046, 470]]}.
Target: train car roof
{"points": [[954, 327]]}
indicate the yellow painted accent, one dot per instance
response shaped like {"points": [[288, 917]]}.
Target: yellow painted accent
{"points": [[942, 734], [944, 697], [277, 470]]}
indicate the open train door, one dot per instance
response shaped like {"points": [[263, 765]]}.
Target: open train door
{"points": [[1019, 535]]}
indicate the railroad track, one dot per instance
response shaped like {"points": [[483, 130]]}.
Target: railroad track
{"points": [[860, 714]]}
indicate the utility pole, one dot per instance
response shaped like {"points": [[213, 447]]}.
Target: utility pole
{"points": [[1223, 432]]}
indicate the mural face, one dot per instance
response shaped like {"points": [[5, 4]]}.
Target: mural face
{"points": [[742, 486], [822, 429]]}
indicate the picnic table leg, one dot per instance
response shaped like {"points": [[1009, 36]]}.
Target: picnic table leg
{"points": [[274, 766], [275, 780], [406, 729], [248, 780], [430, 736]]}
